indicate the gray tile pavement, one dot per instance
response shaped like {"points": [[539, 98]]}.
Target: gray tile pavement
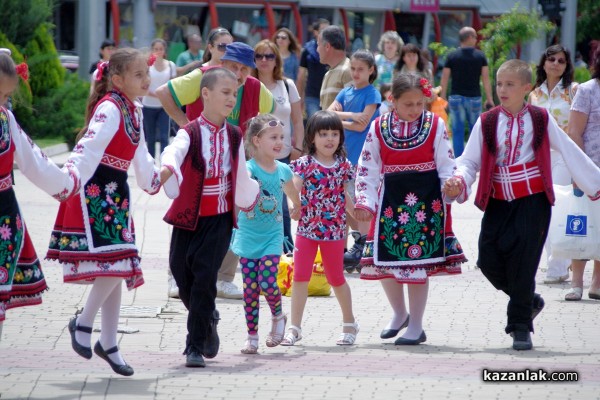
{"points": [[464, 322]]}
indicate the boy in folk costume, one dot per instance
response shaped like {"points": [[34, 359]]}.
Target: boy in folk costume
{"points": [[510, 146], [204, 171]]}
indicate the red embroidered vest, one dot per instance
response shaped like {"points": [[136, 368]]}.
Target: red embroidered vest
{"points": [[248, 109], [541, 149], [184, 212]]}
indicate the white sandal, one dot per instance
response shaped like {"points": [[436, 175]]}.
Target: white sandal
{"points": [[275, 337], [347, 339], [290, 338], [574, 294], [251, 345]]}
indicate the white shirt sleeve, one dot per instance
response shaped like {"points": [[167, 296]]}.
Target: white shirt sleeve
{"points": [[368, 172], [469, 163], [172, 157], [146, 172], [584, 171], [38, 168], [247, 189]]}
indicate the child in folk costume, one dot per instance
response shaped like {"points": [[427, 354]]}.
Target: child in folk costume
{"points": [[93, 236], [411, 234], [259, 239], [204, 171], [322, 177], [510, 147], [21, 279]]}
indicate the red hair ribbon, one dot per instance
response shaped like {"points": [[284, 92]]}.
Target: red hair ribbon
{"points": [[23, 71], [102, 68], [151, 60], [425, 87]]}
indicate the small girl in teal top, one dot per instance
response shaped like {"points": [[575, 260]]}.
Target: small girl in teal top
{"points": [[259, 239]]}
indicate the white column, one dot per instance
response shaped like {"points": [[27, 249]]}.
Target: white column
{"points": [[91, 31], [568, 27], [143, 23]]}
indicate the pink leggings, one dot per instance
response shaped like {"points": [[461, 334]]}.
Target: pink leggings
{"points": [[332, 254]]}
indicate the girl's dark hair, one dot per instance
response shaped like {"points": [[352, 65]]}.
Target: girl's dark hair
{"points": [[294, 46], [213, 35], [118, 64], [367, 57], [595, 64], [323, 120], [411, 48], [402, 83], [278, 70], [7, 66], [567, 76]]}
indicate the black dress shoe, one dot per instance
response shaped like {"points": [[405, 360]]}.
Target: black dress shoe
{"points": [[521, 340], [538, 305], [212, 342], [83, 351], [390, 333], [121, 369], [411, 342], [194, 360]]}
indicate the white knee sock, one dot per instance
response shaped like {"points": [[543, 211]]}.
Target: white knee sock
{"points": [[395, 294], [417, 299], [101, 289], [110, 323]]}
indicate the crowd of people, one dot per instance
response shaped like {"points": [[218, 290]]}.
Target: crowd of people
{"points": [[279, 132]]}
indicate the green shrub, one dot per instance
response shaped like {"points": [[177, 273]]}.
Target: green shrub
{"points": [[22, 98], [62, 112], [582, 74], [46, 73], [21, 17]]}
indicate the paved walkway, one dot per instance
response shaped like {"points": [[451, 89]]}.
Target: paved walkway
{"points": [[464, 322]]}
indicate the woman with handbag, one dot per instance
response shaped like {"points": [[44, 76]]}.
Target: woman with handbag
{"points": [[584, 129], [554, 90]]}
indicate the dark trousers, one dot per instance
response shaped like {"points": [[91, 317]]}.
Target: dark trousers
{"points": [[194, 259], [156, 128], [510, 246]]}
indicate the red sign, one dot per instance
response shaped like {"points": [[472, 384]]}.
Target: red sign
{"points": [[425, 5]]}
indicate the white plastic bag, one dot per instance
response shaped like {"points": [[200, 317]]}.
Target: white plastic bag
{"points": [[575, 226]]}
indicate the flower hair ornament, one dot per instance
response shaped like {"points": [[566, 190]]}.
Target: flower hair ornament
{"points": [[151, 60], [425, 87], [23, 71], [102, 68]]}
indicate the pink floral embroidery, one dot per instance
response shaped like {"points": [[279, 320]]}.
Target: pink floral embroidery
{"points": [[92, 191], [411, 199], [5, 232]]}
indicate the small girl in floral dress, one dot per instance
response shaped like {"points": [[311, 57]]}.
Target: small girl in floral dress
{"points": [[404, 163], [93, 236]]}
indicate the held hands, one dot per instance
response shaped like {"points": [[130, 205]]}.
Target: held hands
{"points": [[452, 187], [165, 174], [295, 212]]}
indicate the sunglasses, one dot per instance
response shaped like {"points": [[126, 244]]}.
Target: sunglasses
{"points": [[269, 57], [221, 46], [554, 59], [272, 124], [282, 37]]}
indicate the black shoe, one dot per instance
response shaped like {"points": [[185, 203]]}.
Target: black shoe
{"points": [[390, 333], [521, 340], [83, 351], [352, 257], [194, 359], [212, 342], [121, 369], [538, 305], [411, 342]]}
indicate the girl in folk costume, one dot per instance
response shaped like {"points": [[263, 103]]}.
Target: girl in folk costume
{"points": [[259, 240], [93, 236], [21, 279], [322, 177], [411, 238]]}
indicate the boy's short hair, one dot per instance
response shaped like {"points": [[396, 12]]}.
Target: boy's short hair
{"points": [[213, 75], [518, 67]]}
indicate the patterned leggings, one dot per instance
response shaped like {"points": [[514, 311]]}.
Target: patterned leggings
{"points": [[260, 275]]}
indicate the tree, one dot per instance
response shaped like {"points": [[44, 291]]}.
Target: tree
{"points": [[588, 14], [20, 18], [505, 33]]}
